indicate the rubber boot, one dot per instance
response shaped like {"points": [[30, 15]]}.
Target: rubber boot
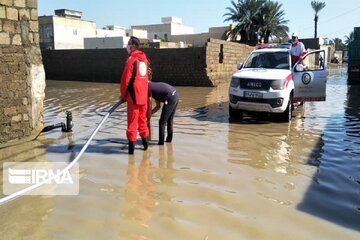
{"points": [[145, 143], [169, 136], [131, 147], [161, 135]]}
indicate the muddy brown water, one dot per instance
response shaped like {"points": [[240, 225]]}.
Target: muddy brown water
{"points": [[219, 179]]}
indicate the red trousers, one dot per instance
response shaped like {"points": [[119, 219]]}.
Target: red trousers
{"points": [[136, 120]]}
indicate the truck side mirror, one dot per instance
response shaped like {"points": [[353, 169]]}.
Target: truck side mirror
{"points": [[299, 68], [239, 66]]}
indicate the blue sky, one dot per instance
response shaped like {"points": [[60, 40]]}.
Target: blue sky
{"points": [[337, 19]]}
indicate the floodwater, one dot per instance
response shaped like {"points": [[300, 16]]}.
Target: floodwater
{"points": [[217, 180]]}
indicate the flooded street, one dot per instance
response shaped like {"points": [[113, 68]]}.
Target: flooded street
{"points": [[217, 180]]}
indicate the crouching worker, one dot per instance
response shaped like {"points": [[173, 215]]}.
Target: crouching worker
{"points": [[134, 89], [166, 94]]}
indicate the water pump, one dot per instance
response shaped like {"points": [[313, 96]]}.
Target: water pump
{"points": [[69, 122], [64, 127]]}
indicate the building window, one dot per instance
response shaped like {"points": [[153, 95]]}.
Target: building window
{"points": [[155, 36], [166, 36], [221, 53], [75, 32]]}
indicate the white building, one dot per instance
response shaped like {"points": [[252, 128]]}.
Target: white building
{"points": [[65, 30], [110, 36], [106, 42], [111, 31], [113, 37], [200, 39], [169, 26]]}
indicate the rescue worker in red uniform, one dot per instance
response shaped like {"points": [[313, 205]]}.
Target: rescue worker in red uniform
{"points": [[134, 89]]}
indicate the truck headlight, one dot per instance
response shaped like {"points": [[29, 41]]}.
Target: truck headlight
{"points": [[235, 82], [278, 84]]}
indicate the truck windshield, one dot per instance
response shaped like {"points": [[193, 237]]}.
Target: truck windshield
{"points": [[272, 60]]}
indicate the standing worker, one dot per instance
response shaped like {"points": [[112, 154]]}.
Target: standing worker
{"points": [[297, 49], [166, 94], [134, 89]]}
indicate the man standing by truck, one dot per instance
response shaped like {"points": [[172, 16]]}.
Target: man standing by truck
{"points": [[297, 49]]}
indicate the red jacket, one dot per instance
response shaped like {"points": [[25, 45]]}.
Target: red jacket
{"points": [[134, 80]]}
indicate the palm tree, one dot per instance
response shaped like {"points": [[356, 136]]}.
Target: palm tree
{"points": [[235, 16], [256, 18], [349, 38], [317, 6], [339, 45], [246, 14], [273, 22]]}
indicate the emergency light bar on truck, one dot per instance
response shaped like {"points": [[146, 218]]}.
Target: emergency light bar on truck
{"points": [[273, 45]]}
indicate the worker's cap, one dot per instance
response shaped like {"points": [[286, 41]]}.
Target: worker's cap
{"points": [[295, 34]]}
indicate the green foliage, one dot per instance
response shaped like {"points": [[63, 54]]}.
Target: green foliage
{"points": [[349, 38], [256, 18], [144, 45], [339, 45], [317, 6]]}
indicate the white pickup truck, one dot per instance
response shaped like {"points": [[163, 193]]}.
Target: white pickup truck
{"points": [[267, 82]]}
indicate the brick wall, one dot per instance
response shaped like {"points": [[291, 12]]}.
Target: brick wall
{"points": [[222, 58], [178, 66], [22, 76]]}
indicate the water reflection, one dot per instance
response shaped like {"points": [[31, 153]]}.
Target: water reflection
{"points": [[33, 226], [145, 194], [250, 179], [281, 147], [352, 111], [139, 190], [22, 220], [334, 193]]}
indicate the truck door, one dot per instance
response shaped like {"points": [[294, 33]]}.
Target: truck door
{"points": [[310, 77]]}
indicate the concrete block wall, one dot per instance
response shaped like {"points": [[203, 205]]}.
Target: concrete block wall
{"points": [[22, 76], [92, 65], [181, 67], [198, 66]]}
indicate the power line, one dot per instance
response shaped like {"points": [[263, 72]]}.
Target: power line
{"points": [[340, 15], [334, 18], [337, 31]]}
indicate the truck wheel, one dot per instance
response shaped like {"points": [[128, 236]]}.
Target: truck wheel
{"points": [[287, 115], [235, 113]]}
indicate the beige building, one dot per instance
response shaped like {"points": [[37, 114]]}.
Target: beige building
{"points": [[139, 33], [65, 30]]}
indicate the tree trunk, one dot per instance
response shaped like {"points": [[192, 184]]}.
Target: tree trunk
{"points": [[267, 36], [253, 38], [244, 37], [316, 22]]}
